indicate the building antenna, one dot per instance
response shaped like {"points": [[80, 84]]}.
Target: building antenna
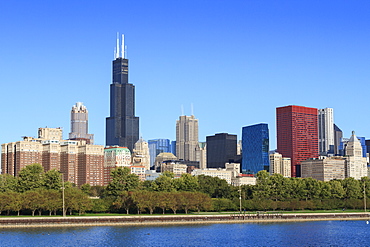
{"points": [[182, 110], [117, 49], [123, 46], [192, 109]]}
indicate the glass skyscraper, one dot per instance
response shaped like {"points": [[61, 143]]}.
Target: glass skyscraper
{"points": [[255, 146], [158, 146]]}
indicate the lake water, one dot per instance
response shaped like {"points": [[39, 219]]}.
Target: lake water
{"points": [[320, 233]]}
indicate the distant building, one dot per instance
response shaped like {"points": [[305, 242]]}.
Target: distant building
{"points": [[326, 131], [115, 157], [221, 149], [338, 134], [161, 158], [186, 137], [140, 155], [122, 126], [79, 124], [158, 146], [356, 163], [324, 168], [201, 154], [297, 136], [78, 161], [280, 165], [344, 142], [255, 146], [175, 167]]}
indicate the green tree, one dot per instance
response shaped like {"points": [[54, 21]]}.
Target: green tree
{"points": [[53, 200], [124, 201], [33, 200], [336, 189], [187, 182], [352, 188], [164, 182], [86, 188], [30, 177], [214, 187], [52, 180], [15, 201], [8, 183], [122, 180]]}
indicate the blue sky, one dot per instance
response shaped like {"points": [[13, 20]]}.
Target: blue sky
{"points": [[235, 61]]}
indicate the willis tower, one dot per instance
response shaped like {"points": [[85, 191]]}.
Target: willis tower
{"points": [[122, 127]]}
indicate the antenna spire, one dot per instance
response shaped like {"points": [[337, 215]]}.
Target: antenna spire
{"points": [[192, 109], [123, 46], [117, 48]]}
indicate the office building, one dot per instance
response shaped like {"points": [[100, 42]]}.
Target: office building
{"points": [[115, 157], [158, 146], [280, 165], [186, 137], [326, 131], [221, 149], [255, 146], [324, 168], [122, 126], [338, 135], [140, 156], [297, 136], [356, 163], [79, 124], [344, 142], [78, 161], [201, 154]]}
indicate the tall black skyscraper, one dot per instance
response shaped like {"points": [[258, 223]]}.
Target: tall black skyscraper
{"points": [[122, 127]]}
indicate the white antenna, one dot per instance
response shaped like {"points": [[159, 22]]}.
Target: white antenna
{"points": [[125, 51], [123, 46], [182, 110], [192, 109], [117, 50]]}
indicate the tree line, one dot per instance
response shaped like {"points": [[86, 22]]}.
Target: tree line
{"points": [[35, 191]]}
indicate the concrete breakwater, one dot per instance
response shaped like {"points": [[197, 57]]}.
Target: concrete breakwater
{"points": [[12, 222]]}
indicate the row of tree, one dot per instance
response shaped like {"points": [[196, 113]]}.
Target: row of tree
{"points": [[126, 193]]}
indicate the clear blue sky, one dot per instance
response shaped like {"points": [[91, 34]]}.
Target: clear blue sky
{"points": [[235, 61]]}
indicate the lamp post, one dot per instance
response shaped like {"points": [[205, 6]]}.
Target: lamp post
{"points": [[63, 198], [365, 195], [240, 200]]}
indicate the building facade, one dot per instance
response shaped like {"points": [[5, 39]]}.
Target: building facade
{"points": [[122, 126], [324, 168], [79, 124], [158, 146], [115, 157], [78, 161], [186, 137], [140, 156], [356, 163], [221, 149], [255, 146], [280, 165], [338, 135], [326, 131], [297, 136]]}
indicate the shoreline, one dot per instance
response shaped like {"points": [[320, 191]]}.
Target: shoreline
{"points": [[88, 221]]}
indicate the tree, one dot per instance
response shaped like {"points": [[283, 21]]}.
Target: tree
{"points": [[125, 201], [164, 182], [187, 182], [145, 200], [336, 189], [214, 187], [53, 200], [52, 180], [122, 180], [15, 202], [33, 200], [352, 188], [86, 188], [30, 177], [8, 183], [202, 201]]}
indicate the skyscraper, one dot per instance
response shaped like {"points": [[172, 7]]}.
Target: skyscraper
{"points": [[326, 131], [186, 137], [158, 146], [255, 146], [221, 149], [297, 136], [338, 134], [79, 124], [122, 127]]}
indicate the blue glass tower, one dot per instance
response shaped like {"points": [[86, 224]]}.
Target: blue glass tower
{"points": [[343, 145], [255, 146], [158, 146]]}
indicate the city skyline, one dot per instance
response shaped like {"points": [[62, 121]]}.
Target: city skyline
{"points": [[266, 53]]}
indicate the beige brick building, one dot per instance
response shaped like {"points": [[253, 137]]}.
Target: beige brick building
{"points": [[78, 162]]}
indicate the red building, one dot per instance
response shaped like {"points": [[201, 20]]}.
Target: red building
{"points": [[297, 134]]}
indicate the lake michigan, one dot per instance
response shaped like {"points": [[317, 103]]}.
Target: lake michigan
{"points": [[313, 233]]}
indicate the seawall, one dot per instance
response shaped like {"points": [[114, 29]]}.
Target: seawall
{"points": [[15, 222]]}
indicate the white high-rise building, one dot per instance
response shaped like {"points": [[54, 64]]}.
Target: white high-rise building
{"points": [[326, 131], [356, 164], [186, 138], [140, 156], [280, 165]]}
